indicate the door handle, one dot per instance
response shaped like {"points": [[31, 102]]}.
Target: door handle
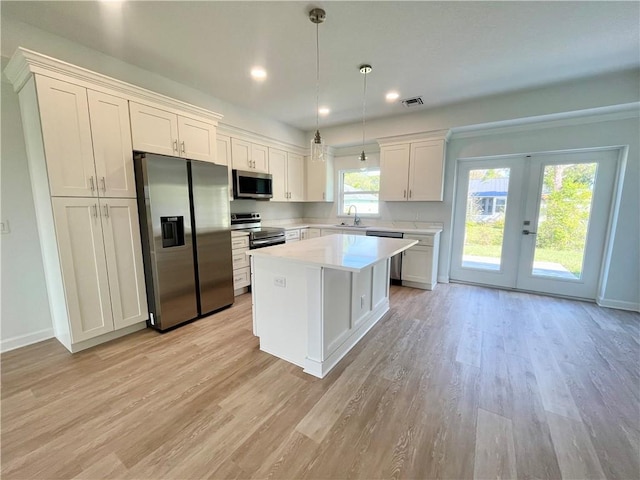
{"points": [[527, 232]]}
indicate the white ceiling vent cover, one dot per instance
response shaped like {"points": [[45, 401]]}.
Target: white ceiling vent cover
{"points": [[412, 102]]}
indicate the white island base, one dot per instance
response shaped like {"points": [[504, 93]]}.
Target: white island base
{"points": [[311, 312]]}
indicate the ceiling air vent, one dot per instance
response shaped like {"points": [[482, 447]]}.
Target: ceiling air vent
{"points": [[412, 102]]}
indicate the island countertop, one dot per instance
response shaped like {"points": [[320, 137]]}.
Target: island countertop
{"points": [[352, 253]]}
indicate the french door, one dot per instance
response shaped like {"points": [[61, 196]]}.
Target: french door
{"points": [[536, 223]]}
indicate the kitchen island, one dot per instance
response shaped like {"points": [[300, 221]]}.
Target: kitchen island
{"points": [[314, 300]]}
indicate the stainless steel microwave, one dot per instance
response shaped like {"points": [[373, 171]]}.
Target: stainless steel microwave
{"points": [[252, 185]]}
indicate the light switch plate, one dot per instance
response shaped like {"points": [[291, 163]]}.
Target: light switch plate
{"points": [[4, 227], [280, 281]]}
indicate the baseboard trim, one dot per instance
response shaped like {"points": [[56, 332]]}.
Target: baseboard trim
{"points": [[618, 304], [8, 344], [443, 278]]}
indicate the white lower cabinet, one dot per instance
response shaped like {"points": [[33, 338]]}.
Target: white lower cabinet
{"points": [[419, 263], [101, 264], [310, 232], [241, 264], [292, 235]]}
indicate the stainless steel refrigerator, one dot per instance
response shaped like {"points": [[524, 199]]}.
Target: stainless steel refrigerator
{"points": [[186, 241]]}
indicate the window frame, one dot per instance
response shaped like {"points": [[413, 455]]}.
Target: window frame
{"points": [[341, 193]]}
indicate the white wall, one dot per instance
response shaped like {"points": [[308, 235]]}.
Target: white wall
{"points": [[268, 210], [24, 313]]}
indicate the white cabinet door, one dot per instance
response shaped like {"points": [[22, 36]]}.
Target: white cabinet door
{"points": [[66, 132], [278, 170], [124, 261], [394, 172], [240, 154], [319, 184], [84, 266], [417, 264], [223, 157], [260, 157], [295, 177], [153, 130], [111, 134], [426, 177], [197, 139]]}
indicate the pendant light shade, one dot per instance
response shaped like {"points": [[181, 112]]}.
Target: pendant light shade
{"points": [[317, 16], [364, 70]]}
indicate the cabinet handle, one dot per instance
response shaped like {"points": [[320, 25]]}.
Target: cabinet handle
{"points": [[409, 193], [93, 187], [106, 210], [104, 185], [182, 145], [95, 210], [175, 145], [404, 194], [323, 195]]}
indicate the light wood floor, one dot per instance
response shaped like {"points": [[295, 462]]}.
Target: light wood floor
{"points": [[458, 383]]}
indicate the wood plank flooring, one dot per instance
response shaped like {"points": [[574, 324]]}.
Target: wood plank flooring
{"points": [[462, 382]]}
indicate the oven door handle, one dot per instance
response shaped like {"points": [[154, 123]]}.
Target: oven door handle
{"points": [[266, 242]]}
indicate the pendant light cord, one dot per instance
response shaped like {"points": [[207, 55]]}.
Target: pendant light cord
{"points": [[317, 78], [364, 108]]}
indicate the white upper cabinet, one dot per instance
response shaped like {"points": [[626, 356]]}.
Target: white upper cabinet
{"points": [[112, 149], [287, 170], [295, 177], [153, 130], [197, 139], [426, 175], [412, 171], [394, 172], [319, 180], [249, 156], [157, 131], [66, 132], [278, 170], [223, 157]]}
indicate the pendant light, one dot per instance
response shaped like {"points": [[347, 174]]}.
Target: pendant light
{"points": [[317, 16], [365, 70]]}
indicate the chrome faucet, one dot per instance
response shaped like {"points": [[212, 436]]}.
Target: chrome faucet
{"points": [[356, 218]]}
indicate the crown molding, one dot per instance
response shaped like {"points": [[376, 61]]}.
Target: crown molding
{"points": [[241, 133], [553, 120], [25, 63], [435, 135]]}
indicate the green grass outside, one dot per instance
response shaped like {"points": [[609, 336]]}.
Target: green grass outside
{"points": [[571, 260]]}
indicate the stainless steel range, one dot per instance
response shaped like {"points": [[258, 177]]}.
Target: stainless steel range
{"points": [[259, 236]]}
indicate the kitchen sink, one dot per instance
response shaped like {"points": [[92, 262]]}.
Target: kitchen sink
{"points": [[350, 226]]}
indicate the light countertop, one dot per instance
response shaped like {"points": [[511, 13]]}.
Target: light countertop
{"points": [[352, 253]]}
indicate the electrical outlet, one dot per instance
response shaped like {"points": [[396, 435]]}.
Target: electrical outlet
{"points": [[4, 227], [280, 281]]}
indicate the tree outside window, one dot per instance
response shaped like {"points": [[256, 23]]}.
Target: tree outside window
{"points": [[360, 188]]}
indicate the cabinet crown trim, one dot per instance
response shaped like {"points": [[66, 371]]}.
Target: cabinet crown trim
{"points": [[434, 135], [25, 63]]}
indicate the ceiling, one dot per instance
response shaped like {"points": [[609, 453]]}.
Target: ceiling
{"points": [[445, 52]]}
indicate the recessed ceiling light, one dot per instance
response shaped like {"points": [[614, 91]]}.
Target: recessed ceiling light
{"points": [[324, 111], [392, 96], [258, 73]]}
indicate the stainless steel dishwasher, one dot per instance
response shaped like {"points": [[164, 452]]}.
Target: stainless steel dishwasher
{"points": [[396, 260]]}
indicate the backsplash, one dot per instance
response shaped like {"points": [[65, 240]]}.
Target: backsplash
{"points": [[269, 210]]}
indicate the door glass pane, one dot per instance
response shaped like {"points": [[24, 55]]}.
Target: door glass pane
{"points": [[484, 221], [563, 220]]}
